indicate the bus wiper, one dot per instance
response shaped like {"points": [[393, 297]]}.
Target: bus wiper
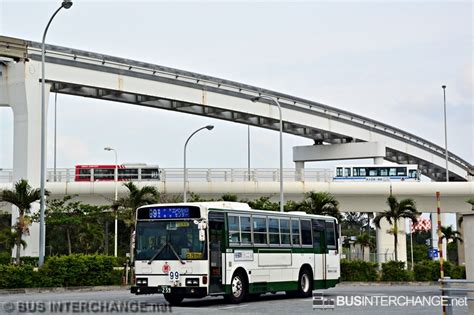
{"points": [[158, 252], [175, 253]]}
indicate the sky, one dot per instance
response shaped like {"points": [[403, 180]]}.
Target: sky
{"points": [[384, 60]]}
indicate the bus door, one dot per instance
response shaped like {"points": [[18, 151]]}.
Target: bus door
{"points": [[320, 250], [216, 248]]}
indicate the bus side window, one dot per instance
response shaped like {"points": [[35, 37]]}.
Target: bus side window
{"points": [[306, 232], [330, 235], [234, 233]]}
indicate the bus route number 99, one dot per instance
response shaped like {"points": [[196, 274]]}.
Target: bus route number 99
{"points": [[174, 276]]}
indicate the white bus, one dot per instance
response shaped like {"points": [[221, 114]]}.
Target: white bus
{"points": [[406, 172], [194, 250]]}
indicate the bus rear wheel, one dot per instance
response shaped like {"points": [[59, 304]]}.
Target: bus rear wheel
{"points": [[238, 291], [305, 283], [173, 299]]}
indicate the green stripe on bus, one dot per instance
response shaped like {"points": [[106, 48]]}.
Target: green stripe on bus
{"points": [[263, 287]]}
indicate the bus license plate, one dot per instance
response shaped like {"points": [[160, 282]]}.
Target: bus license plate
{"points": [[165, 289], [174, 276]]}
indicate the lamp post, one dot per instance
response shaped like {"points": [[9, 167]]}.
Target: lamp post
{"points": [[116, 197], [445, 133], [185, 175], [274, 100], [65, 4]]}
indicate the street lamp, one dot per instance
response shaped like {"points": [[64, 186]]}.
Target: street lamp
{"points": [[445, 133], [65, 4], [274, 100], [116, 197], [185, 175]]}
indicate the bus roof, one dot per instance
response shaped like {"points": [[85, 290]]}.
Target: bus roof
{"points": [[238, 206]]}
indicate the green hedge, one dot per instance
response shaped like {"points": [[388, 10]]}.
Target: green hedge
{"points": [[395, 271], [63, 271], [428, 270], [358, 270]]}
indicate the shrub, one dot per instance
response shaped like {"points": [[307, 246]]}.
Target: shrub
{"points": [[428, 270], [5, 258], [458, 272], [395, 271], [63, 271], [12, 276], [358, 270]]}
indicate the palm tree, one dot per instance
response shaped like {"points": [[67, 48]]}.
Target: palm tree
{"points": [[365, 240], [449, 234], [22, 196], [136, 198], [322, 203], [8, 239], [406, 208]]}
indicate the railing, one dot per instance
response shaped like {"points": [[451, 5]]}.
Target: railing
{"points": [[244, 90], [451, 292], [195, 175]]}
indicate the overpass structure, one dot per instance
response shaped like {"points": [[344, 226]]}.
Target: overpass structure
{"points": [[94, 75]]}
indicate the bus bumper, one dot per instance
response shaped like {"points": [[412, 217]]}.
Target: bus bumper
{"points": [[185, 291]]}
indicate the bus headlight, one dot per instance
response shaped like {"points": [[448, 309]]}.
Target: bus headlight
{"points": [[192, 282]]}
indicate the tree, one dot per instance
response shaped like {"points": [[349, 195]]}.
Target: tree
{"points": [[263, 203], [365, 240], [22, 196], [8, 238], [353, 223], [449, 234], [322, 203], [406, 208], [136, 198]]}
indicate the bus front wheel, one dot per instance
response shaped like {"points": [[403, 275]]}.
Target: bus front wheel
{"points": [[173, 299], [238, 288]]}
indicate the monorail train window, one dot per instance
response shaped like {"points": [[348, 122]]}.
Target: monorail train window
{"points": [[356, 171], [383, 171], [362, 171], [347, 172], [104, 173], [150, 173], [413, 173], [401, 171], [392, 171], [85, 173], [339, 172], [372, 171], [128, 173]]}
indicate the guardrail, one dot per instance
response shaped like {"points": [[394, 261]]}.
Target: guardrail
{"points": [[196, 174], [448, 291]]}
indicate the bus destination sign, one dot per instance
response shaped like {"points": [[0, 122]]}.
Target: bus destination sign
{"points": [[161, 213]]}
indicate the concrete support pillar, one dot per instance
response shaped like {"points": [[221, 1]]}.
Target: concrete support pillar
{"points": [[385, 242], [468, 225], [299, 171], [460, 229], [21, 83]]}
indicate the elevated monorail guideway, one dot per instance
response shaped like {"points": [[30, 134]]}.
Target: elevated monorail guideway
{"points": [[88, 74]]}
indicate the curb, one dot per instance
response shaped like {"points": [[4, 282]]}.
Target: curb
{"points": [[63, 289], [387, 283]]}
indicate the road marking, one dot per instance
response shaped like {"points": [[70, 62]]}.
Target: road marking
{"points": [[231, 307]]}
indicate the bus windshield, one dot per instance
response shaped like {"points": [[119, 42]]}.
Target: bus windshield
{"points": [[168, 240]]}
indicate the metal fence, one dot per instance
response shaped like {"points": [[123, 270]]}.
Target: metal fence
{"points": [[456, 288], [201, 174]]}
